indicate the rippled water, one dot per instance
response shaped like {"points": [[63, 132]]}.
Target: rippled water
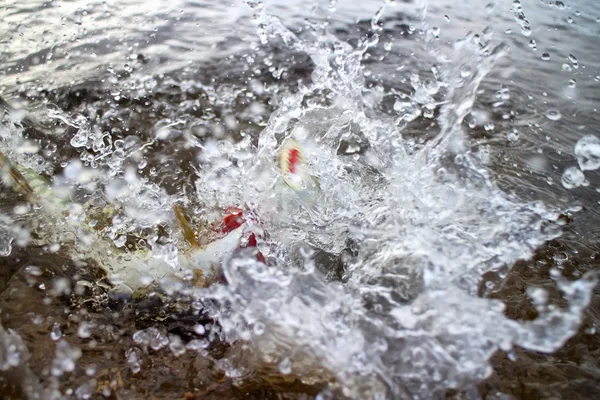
{"points": [[445, 243]]}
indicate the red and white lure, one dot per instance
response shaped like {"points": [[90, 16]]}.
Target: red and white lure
{"points": [[293, 165]]}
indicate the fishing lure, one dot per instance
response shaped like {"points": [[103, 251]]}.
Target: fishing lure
{"points": [[293, 165]]}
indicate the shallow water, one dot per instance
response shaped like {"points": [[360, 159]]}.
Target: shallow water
{"points": [[445, 252]]}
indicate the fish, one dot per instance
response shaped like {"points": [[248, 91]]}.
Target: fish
{"points": [[128, 270]]}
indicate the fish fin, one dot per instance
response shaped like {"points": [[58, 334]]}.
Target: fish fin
{"points": [[188, 232], [16, 175], [199, 279]]}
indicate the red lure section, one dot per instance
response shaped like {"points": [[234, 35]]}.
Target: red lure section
{"points": [[233, 219], [294, 154]]}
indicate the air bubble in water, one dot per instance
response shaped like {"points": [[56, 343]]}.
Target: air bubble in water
{"points": [[572, 83], [560, 5], [545, 56], [567, 68], [572, 177], [587, 151], [553, 115], [574, 61]]}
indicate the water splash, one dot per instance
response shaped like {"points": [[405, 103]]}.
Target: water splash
{"points": [[411, 228], [417, 227]]}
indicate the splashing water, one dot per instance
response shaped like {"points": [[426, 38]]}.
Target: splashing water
{"points": [[423, 224], [412, 226]]}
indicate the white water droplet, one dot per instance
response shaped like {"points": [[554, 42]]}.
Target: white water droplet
{"points": [[572, 177], [285, 366], [176, 345], [567, 68], [55, 333], [65, 358], [199, 329], [587, 151], [84, 330], [553, 115]]}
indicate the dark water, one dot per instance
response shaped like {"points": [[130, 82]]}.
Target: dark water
{"points": [[198, 69]]}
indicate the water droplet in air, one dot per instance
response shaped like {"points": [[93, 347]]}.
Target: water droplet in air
{"points": [[65, 358], [176, 345], [587, 151], [538, 295], [512, 136], [84, 391], [572, 178], [84, 331], [553, 115], [285, 366], [545, 56], [199, 329], [133, 359], [259, 328], [533, 44], [55, 333], [574, 61]]}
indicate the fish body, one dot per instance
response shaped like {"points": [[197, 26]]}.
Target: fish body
{"points": [[131, 270]]}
